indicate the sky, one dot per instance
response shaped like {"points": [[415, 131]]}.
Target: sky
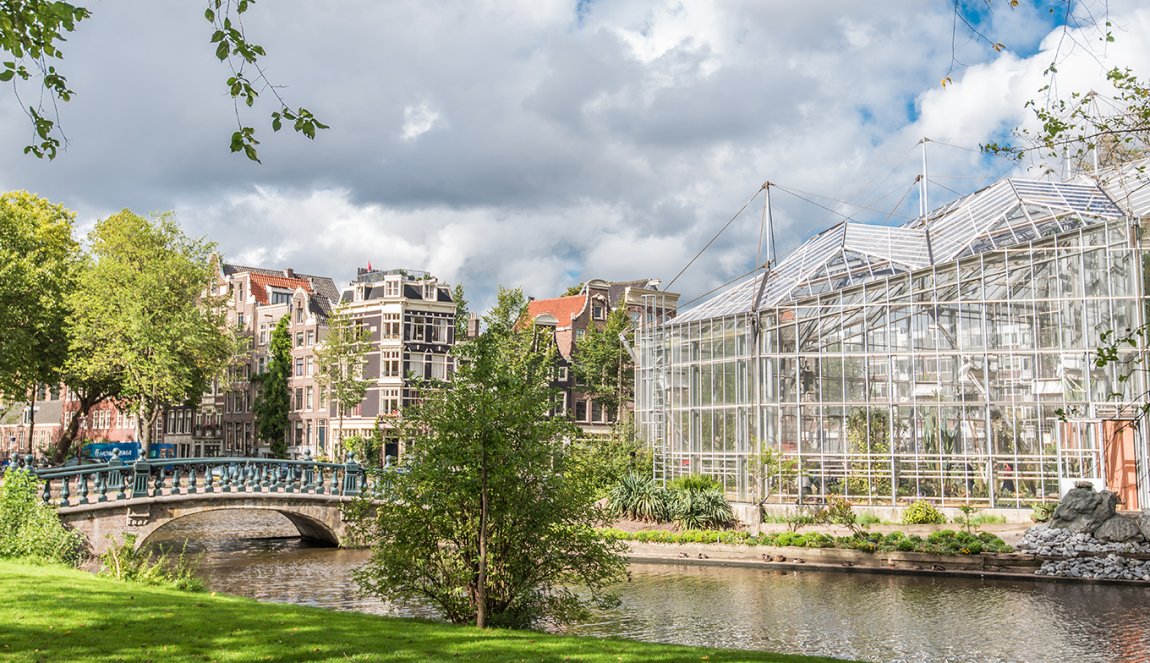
{"points": [[539, 143]]}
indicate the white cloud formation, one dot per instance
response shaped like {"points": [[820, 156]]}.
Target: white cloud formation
{"points": [[540, 143]]}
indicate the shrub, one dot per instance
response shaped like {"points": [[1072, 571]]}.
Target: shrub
{"points": [[695, 483], [922, 513], [1043, 511], [124, 562], [700, 509], [29, 528], [640, 497], [839, 511]]}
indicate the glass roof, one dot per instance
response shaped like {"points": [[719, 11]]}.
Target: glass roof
{"points": [[1006, 213]]}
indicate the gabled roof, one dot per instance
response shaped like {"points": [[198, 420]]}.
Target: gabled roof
{"points": [[565, 309], [1009, 212], [261, 282]]}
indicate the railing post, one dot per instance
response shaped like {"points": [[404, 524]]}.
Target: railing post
{"points": [[351, 477], [116, 474], [141, 478]]}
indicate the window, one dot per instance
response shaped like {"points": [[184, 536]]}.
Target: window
{"points": [[391, 326], [417, 328], [579, 333], [299, 398], [310, 363], [240, 319], [299, 433], [598, 311], [391, 288], [389, 401], [262, 365], [310, 337], [438, 367], [389, 365], [309, 393], [414, 366], [439, 331], [299, 339], [298, 366], [580, 410], [280, 297], [561, 403], [263, 334], [562, 374]]}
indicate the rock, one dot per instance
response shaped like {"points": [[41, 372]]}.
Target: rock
{"points": [[1119, 529], [1144, 524], [1083, 509]]}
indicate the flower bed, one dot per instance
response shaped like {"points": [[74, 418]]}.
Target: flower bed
{"points": [[942, 542]]}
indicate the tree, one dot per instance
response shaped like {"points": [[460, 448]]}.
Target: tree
{"points": [[491, 523], [31, 32], [38, 259], [462, 313], [603, 363], [339, 362], [143, 314], [274, 402]]}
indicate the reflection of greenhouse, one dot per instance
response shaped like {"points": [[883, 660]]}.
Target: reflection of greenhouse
{"points": [[933, 360]]}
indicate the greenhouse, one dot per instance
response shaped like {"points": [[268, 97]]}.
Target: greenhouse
{"points": [[951, 359]]}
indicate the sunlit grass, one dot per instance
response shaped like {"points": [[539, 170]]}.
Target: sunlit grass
{"points": [[51, 613]]}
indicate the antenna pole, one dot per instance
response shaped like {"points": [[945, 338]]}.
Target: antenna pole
{"points": [[923, 202]]}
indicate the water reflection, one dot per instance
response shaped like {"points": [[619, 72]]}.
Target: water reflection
{"points": [[863, 616]]}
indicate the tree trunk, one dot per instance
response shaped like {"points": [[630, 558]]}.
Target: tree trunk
{"points": [[481, 590], [31, 417], [84, 406]]}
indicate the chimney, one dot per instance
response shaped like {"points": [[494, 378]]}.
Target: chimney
{"points": [[473, 326], [290, 273]]}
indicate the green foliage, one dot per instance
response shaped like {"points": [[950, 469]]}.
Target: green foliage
{"points": [[922, 513], [31, 529], [839, 511], [1043, 511], [695, 502], [868, 439], [770, 470], [695, 482], [124, 561], [640, 497], [31, 31], [273, 405], [571, 291], [945, 542], [491, 522], [607, 459], [339, 360], [368, 449], [142, 319], [603, 363], [462, 312], [38, 262]]}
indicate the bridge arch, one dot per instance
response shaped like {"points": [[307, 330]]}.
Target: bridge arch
{"points": [[105, 524], [309, 527]]}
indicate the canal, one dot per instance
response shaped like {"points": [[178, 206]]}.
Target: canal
{"points": [[849, 615]]}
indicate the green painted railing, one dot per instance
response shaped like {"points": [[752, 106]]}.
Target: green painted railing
{"points": [[115, 481]]}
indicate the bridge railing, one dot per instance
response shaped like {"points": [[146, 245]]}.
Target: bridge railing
{"points": [[158, 477]]}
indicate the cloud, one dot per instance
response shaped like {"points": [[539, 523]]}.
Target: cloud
{"points": [[540, 143]]}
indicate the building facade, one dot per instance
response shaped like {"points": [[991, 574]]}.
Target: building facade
{"points": [[410, 319], [570, 317], [951, 359], [223, 423]]}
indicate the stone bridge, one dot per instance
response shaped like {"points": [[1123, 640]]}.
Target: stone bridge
{"points": [[105, 501]]}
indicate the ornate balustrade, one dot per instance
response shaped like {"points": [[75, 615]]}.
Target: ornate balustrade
{"points": [[151, 478]]}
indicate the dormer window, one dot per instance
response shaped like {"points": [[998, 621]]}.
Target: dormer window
{"points": [[391, 288], [279, 297]]}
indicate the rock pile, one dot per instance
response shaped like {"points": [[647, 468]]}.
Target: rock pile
{"points": [[1111, 566], [1050, 542], [1093, 538]]}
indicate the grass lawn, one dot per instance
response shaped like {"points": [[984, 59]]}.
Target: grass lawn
{"points": [[51, 613]]}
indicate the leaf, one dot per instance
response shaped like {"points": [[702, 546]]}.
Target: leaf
{"points": [[222, 50], [7, 75]]}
